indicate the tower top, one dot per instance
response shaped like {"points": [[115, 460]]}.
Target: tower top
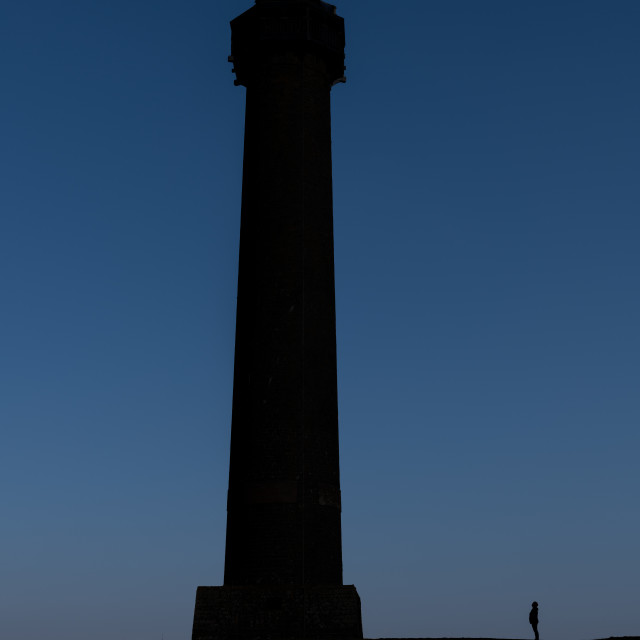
{"points": [[272, 26], [325, 5]]}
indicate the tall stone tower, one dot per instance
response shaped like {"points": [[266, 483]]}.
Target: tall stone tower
{"points": [[283, 563]]}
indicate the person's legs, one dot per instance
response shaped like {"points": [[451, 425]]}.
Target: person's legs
{"points": [[535, 630]]}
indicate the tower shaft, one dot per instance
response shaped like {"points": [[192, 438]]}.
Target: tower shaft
{"points": [[283, 520]]}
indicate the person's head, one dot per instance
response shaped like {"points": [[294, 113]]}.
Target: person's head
{"points": [[534, 604]]}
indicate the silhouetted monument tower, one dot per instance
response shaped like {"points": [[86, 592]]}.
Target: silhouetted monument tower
{"points": [[283, 563]]}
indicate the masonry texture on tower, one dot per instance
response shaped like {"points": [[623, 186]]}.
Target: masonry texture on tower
{"points": [[283, 562]]}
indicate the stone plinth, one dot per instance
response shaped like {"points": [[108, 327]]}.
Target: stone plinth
{"points": [[277, 613]]}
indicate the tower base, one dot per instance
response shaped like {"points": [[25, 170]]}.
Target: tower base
{"points": [[277, 613]]}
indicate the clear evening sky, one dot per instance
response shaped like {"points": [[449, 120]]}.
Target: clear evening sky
{"points": [[487, 232]]}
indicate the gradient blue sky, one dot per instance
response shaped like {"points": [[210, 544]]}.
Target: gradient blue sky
{"points": [[487, 231]]}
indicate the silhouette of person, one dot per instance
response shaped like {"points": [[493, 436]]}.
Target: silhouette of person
{"points": [[533, 618]]}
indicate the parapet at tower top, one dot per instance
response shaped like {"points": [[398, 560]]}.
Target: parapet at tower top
{"points": [[330, 8]]}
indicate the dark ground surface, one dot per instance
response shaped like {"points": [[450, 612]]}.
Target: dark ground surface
{"points": [[609, 638]]}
